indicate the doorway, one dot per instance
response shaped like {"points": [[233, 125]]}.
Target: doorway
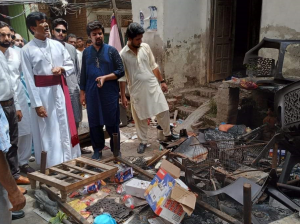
{"points": [[234, 29]]}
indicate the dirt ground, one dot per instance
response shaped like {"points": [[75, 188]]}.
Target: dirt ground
{"points": [[128, 149]]}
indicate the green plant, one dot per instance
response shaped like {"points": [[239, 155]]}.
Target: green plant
{"points": [[60, 216], [213, 109]]}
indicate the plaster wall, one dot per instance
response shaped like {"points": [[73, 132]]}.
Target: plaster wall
{"points": [[280, 21], [179, 44]]}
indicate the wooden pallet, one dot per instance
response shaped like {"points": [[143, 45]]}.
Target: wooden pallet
{"points": [[71, 172]]}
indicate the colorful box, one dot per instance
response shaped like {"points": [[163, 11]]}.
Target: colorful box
{"points": [[166, 198]]}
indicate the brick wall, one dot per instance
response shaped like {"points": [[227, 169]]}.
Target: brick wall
{"points": [[227, 103], [77, 23]]}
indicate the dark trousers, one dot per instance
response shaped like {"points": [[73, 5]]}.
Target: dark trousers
{"points": [[98, 140], [12, 154]]}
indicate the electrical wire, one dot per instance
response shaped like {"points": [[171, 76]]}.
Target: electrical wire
{"points": [[57, 7]]}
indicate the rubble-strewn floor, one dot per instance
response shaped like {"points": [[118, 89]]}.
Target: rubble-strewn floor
{"points": [[128, 149]]}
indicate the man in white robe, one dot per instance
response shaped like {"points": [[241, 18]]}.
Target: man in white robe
{"points": [[44, 61], [142, 75]]}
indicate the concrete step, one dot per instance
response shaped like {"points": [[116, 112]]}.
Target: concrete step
{"points": [[194, 100], [185, 111], [214, 85], [190, 91], [207, 92]]}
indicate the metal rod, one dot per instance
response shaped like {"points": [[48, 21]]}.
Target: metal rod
{"points": [[116, 144], [247, 204], [289, 187], [274, 157]]}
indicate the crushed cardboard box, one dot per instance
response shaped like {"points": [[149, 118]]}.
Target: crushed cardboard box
{"points": [[166, 197], [136, 187]]}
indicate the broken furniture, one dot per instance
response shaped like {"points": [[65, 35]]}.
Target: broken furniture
{"points": [[287, 137], [76, 175], [266, 67]]}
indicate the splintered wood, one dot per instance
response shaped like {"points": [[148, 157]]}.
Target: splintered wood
{"points": [[72, 175]]}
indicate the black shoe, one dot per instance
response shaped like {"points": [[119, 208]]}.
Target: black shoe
{"points": [[26, 169], [141, 148], [17, 214], [97, 155], [171, 137]]}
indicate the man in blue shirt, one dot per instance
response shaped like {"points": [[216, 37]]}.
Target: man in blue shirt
{"points": [[99, 89]]}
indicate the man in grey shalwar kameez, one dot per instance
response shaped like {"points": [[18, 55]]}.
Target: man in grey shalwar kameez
{"points": [[59, 33]]}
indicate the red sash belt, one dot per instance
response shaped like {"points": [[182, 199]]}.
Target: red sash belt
{"points": [[52, 80]]}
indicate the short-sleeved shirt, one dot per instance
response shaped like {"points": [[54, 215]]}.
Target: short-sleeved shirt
{"points": [[146, 95]]}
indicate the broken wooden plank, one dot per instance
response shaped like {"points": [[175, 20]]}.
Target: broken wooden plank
{"points": [[94, 163], [65, 207], [177, 143], [194, 117], [79, 168], [217, 212], [49, 180], [157, 157], [69, 174]]}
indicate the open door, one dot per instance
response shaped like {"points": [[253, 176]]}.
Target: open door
{"points": [[222, 39]]}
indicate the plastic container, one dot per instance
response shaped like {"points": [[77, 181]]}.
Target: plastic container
{"points": [[128, 201], [105, 218]]}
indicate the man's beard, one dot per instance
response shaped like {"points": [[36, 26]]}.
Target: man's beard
{"points": [[99, 43], [135, 46], [5, 44]]}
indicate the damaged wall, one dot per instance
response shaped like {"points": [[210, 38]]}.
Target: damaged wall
{"points": [[280, 21], [179, 44]]}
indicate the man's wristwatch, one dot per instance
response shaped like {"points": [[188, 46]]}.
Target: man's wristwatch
{"points": [[162, 81]]}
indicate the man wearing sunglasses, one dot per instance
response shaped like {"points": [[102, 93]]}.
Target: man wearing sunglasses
{"points": [[59, 33]]}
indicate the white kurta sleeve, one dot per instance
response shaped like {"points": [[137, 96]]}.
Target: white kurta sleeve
{"points": [[152, 62], [123, 78], [30, 83], [16, 102], [68, 63]]}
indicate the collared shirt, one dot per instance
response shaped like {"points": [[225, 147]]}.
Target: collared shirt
{"points": [[6, 82], [146, 95], [4, 132]]}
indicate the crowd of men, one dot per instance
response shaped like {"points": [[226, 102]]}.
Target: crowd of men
{"points": [[44, 84]]}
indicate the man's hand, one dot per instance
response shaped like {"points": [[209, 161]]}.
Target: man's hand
{"points": [[100, 81], [41, 112], [82, 98], [19, 115], [124, 101], [58, 70], [164, 87], [17, 200]]}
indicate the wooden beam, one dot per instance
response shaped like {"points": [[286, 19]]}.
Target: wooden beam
{"points": [[94, 163], [79, 168], [69, 174], [217, 212]]}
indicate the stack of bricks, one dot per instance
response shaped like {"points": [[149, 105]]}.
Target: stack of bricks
{"points": [[227, 103], [175, 101], [77, 23]]}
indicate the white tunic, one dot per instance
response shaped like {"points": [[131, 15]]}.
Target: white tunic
{"points": [[146, 95], [13, 58], [51, 134]]}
